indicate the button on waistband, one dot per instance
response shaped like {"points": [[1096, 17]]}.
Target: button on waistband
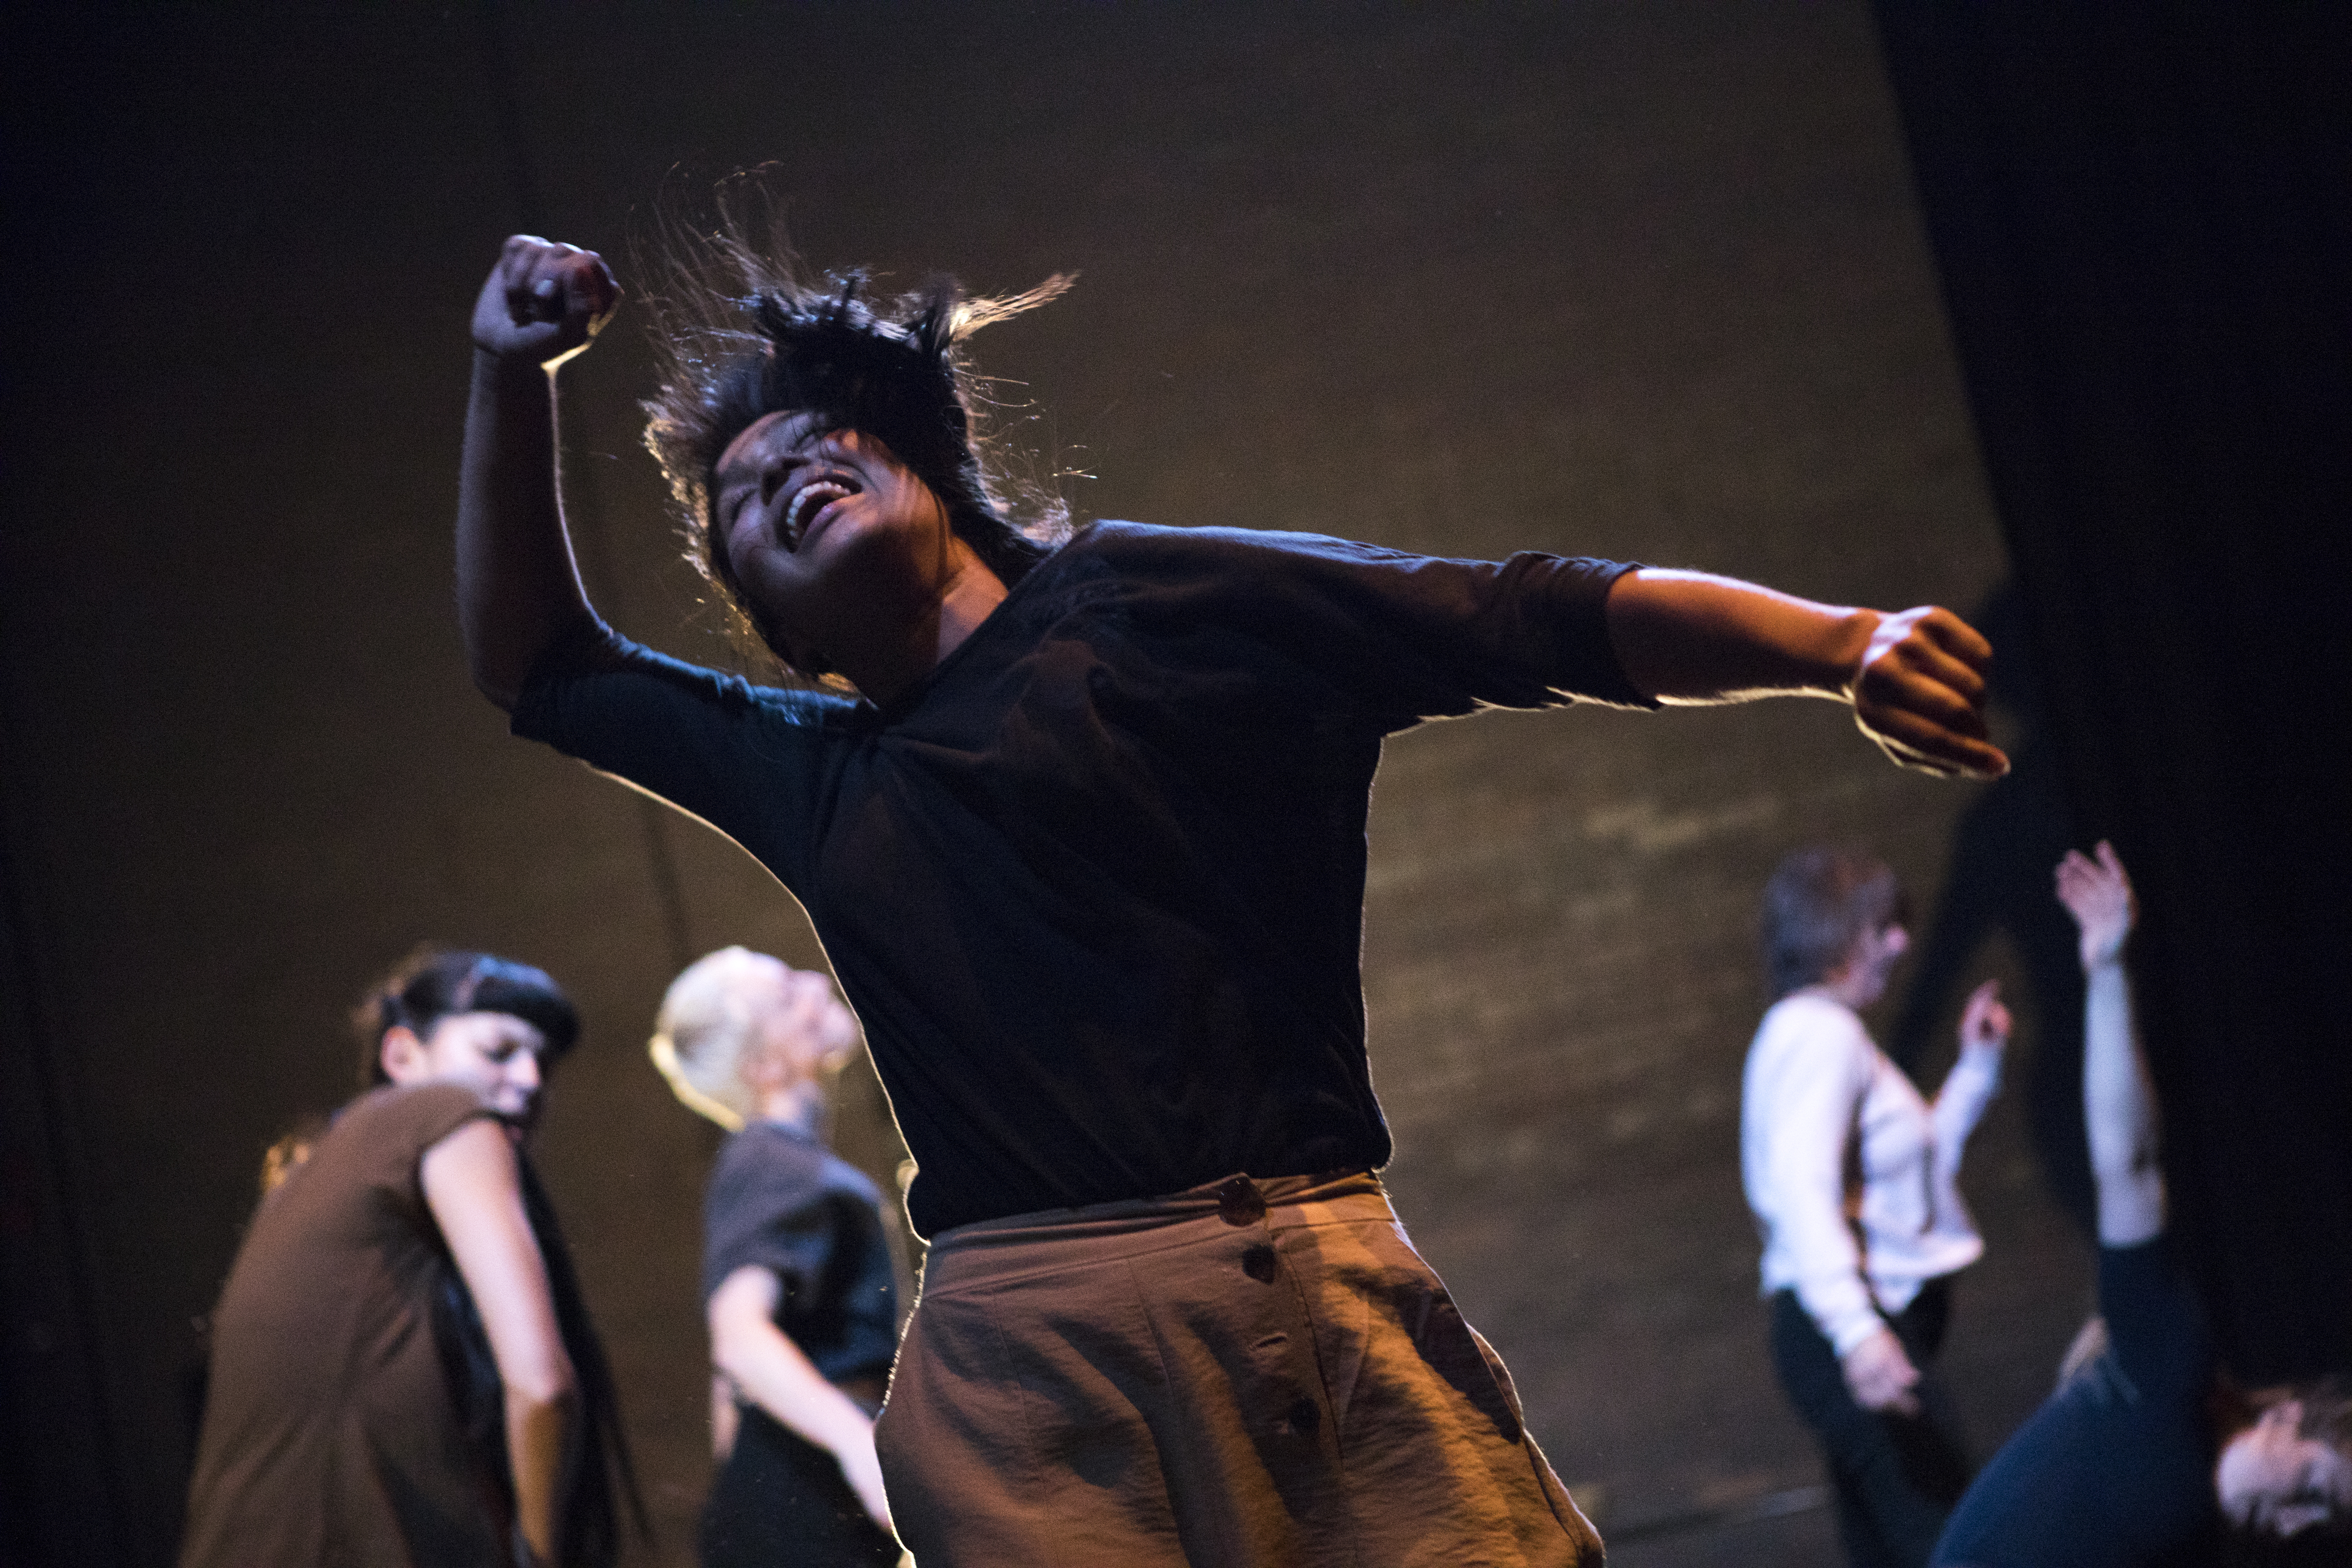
{"points": [[1239, 1201]]}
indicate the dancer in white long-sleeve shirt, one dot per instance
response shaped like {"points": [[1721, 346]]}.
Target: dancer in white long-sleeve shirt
{"points": [[1853, 1175]]}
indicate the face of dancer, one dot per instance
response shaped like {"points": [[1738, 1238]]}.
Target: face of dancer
{"points": [[828, 532], [2275, 1479], [496, 1054], [1861, 978], [803, 1026]]}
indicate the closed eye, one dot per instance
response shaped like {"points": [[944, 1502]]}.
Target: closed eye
{"points": [[730, 507]]}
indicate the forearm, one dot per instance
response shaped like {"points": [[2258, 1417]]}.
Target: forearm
{"points": [[518, 586], [1960, 1104], [1690, 638], [2119, 1110], [1803, 1203], [537, 1429], [472, 1183], [777, 1376]]}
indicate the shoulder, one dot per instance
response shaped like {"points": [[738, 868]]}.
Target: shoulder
{"points": [[1142, 545], [378, 1142], [773, 1170], [842, 1177], [599, 659], [1808, 1045], [418, 1114], [1809, 1024], [767, 1165]]}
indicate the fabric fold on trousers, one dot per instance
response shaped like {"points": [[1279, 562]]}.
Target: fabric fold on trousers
{"points": [[1250, 1372]]}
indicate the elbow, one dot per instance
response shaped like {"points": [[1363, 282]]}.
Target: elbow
{"points": [[492, 668], [731, 1349], [2132, 1162], [543, 1382], [501, 694]]}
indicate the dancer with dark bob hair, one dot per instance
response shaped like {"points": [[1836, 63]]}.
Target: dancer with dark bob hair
{"points": [[1082, 827], [403, 1372]]}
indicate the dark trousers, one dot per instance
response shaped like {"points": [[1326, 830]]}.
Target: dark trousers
{"points": [[1895, 1477], [779, 1500]]}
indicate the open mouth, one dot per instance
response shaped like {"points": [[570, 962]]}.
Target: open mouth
{"points": [[808, 504]]}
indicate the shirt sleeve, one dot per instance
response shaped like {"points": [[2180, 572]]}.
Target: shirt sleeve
{"points": [[399, 1125], [1960, 1104], [1809, 1084], [768, 1208], [750, 760], [1405, 637], [792, 1243], [2156, 1330]]}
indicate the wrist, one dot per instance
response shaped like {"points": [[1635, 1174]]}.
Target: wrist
{"points": [[842, 1429], [1851, 638], [508, 370]]}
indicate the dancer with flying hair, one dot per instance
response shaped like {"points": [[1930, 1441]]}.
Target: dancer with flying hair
{"points": [[1081, 820]]}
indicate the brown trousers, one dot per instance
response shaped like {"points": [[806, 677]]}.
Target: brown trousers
{"points": [[1251, 1373]]}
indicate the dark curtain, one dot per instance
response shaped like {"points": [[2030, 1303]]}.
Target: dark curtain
{"points": [[2143, 215]]}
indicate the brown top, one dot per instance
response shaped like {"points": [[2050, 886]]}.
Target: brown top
{"points": [[328, 1435]]}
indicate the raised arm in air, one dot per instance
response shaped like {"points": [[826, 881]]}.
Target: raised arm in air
{"points": [[1917, 680], [518, 588], [2119, 1108]]}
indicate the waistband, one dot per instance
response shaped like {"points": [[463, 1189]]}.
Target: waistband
{"points": [[1014, 1243]]}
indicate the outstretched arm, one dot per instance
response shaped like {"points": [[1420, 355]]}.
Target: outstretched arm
{"points": [[2119, 1109], [518, 588], [1916, 679], [778, 1376], [475, 1190]]}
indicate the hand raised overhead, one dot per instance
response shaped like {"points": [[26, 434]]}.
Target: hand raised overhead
{"points": [[2099, 894], [543, 301], [1920, 694]]}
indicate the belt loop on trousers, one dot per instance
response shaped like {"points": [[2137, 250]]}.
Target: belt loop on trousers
{"points": [[1239, 1201]]}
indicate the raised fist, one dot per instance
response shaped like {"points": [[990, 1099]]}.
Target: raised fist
{"points": [[543, 301], [1920, 694]]}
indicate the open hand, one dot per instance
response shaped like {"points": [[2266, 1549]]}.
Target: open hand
{"points": [[1920, 693], [2099, 896], [1880, 1376], [543, 301], [1984, 1022]]}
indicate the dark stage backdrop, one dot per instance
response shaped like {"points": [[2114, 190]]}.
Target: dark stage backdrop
{"points": [[2143, 217], [1637, 278]]}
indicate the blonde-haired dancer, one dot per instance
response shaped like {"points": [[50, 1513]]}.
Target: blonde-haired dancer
{"points": [[796, 1281]]}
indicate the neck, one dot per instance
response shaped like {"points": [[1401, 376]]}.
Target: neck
{"points": [[1844, 989], [886, 666], [794, 1104]]}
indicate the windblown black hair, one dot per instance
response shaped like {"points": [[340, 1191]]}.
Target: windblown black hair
{"points": [[743, 332]]}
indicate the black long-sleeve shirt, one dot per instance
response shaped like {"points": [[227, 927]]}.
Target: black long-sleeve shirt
{"points": [[1094, 885]]}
